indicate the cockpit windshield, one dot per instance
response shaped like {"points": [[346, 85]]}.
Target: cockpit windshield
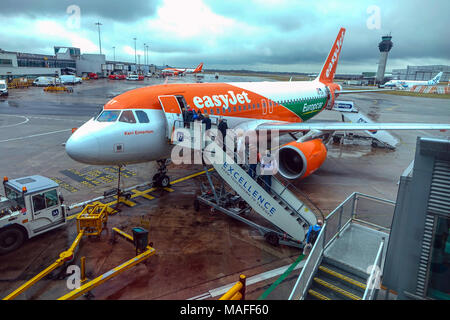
{"points": [[127, 116], [108, 116]]}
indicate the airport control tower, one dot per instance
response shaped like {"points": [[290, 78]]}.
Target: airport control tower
{"points": [[385, 46]]}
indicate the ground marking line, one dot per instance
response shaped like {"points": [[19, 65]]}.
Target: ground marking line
{"points": [[34, 135]]}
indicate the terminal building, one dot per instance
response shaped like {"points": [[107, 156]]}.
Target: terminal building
{"points": [[421, 73], [66, 60]]}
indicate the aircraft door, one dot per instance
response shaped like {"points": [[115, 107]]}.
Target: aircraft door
{"points": [[172, 111]]}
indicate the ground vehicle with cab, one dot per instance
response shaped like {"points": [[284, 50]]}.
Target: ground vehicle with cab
{"points": [[29, 206]]}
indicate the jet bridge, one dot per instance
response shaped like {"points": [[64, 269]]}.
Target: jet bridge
{"points": [[277, 204]]}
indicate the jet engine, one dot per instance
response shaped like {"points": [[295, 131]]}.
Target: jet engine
{"points": [[300, 159]]}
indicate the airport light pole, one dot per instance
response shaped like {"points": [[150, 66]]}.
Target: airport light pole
{"points": [[145, 54], [135, 59], [98, 24], [114, 52]]}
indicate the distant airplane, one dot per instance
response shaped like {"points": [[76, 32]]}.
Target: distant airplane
{"points": [[137, 125], [176, 71], [410, 83]]}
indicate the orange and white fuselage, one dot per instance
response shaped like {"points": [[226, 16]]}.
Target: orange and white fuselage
{"points": [[110, 140]]}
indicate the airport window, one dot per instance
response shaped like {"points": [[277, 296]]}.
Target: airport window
{"points": [[234, 108], [212, 111], [224, 110], [108, 116], [5, 62], [218, 111], [127, 116], [142, 116], [257, 105], [240, 108]]}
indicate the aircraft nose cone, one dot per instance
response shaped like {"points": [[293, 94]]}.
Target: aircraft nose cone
{"points": [[83, 149]]}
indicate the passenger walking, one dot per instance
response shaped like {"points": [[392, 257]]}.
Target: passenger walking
{"points": [[207, 121], [223, 127], [189, 116], [267, 169], [311, 236]]}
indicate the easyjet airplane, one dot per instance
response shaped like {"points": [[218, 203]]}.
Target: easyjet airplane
{"points": [[176, 72], [134, 126]]}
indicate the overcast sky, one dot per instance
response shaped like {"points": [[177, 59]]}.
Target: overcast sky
{"points": [[272, 35]]}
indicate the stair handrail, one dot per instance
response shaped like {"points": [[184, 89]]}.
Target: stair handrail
{"points": [[370, 287], [309, 269], [289, 186]]}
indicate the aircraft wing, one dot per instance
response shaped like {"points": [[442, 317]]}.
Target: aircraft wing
{"points": [[360, 91], [346, 126]]}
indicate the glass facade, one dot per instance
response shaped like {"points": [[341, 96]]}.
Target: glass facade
{"points": [[5, 62], [439, 278], [42, 63]]}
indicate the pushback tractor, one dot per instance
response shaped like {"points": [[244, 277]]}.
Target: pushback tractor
{"points": [[29, 206]]}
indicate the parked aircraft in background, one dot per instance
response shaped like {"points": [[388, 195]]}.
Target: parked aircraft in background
{"points": [[176, 71], [137, 125], [410, 83]]}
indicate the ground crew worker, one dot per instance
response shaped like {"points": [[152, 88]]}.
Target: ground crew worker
{"points": [[311, 236]]}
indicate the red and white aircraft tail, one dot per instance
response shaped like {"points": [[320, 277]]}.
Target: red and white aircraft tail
{"points": [[199, 68], [328, 71]]}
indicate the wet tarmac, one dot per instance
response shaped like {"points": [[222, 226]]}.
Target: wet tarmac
{"points": [[195, 251]]}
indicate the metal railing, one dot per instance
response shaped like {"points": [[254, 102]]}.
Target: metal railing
{"points": [[353, 209], [309, 269], [373, 281]]}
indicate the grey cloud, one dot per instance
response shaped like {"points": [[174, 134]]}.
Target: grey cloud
{"points": [[117, 10]]}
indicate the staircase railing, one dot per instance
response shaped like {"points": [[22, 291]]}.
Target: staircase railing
{"points": [[373, 281], [335, 223], [310, 267]]}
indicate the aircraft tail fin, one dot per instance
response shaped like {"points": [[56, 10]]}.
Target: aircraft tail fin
{"points": [[199, 68], [329, 68], [437, 78]]}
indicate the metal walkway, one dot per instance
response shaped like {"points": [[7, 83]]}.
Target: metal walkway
{"points": [[346, 260]]}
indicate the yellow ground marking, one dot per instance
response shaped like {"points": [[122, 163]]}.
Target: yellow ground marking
{"points": [[137, 193], [337, 289], [342, 277], [191, 176], [317, 295]]}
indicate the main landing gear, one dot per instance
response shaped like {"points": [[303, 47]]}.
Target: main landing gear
{"points": [[160, 179]]}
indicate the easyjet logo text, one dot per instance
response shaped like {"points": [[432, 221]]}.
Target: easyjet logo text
{"points": [[221, 100], [335, 54]]}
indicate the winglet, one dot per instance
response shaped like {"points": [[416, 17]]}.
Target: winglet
{"points": [[329, 68], [199, 68]]}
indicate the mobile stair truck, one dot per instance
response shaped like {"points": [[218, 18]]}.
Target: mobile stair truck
{"points": [[29, 206]]}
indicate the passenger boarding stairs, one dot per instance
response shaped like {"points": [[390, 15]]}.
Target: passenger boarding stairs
{"points": [[346, 260], [334, 281], [275, 203]]}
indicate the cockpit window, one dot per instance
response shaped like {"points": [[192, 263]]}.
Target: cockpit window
{"points": [[127, 116], [142, 116], [108, 116]]}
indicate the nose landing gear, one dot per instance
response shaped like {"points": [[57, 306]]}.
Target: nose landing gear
{"points": [[160, 179]]}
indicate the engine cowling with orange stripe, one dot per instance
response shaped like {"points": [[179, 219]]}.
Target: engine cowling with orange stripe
{"points": [[300, 159]]}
